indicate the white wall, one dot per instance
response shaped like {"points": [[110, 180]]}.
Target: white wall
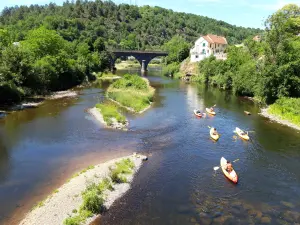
{"points": [[200, 52]]}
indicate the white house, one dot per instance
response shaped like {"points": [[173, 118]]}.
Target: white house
{"points": [[209, 45]]}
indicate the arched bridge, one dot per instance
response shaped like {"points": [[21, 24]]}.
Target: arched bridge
{"points": [[144, 57]]}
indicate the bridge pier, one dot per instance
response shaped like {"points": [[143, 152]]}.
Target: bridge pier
{"points": [[144, 65]]}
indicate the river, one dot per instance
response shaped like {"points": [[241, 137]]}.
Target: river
{"points": [[41, 148]]}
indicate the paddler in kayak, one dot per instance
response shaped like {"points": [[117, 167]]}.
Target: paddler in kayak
{"points": [[229, 166], [211, 109], [214, 131]]}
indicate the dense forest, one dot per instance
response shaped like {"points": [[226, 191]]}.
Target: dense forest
{"points": [[267, 70], [49, 48]]}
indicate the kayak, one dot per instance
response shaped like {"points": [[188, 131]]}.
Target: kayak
{"points": [[210, 112], [242, 134], [232, 175], [197, 114], [214, 136]]}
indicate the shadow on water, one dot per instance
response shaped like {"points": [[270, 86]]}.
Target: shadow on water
{"points": [[40, 148]]}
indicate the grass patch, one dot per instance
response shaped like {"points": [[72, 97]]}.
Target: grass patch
{"points": [[92, 202], [121, 169], [131, 91], [287, 109], [78, 219], [109, 112]]}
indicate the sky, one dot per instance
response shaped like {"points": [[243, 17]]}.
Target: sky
{"points": [[246, 13]]}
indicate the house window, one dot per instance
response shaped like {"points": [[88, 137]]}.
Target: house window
{"points": [[197, 56], [203, 44], [203, 51]]}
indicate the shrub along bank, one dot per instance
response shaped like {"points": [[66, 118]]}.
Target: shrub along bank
{"points": [[132, 92], [286, 109]]}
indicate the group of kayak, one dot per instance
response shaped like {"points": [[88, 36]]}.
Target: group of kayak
{"points": [[224, 164]]}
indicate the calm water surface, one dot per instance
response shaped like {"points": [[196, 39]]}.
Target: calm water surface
{"points": [[40, 148]]}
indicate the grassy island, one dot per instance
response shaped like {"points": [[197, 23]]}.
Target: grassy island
{"points": [[132, 92], [110, 114]]}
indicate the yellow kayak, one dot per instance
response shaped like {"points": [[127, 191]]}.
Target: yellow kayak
{"points": [[214, 136], [242, 134], [210, 111]]}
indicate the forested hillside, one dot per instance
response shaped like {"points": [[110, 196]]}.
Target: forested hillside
{"points": [[120, 26], [49, 48]]}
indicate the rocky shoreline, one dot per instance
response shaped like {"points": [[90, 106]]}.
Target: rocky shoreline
{"points": [[115, 125], [65, 201], [264, 112], [36, 101]]}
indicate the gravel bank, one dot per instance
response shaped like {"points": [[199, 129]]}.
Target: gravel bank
{"points": [[56, 208], [115, 125], [63, 94], [264, 112]]}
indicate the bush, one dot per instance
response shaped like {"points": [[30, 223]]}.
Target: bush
{"points": [[171, 69], [92, 201], [9, 92], [122, 168]]}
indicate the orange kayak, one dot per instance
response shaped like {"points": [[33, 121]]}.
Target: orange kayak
{"points": [[210, 112], [232, 175]]}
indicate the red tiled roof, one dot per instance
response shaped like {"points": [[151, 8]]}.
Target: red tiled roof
{"points": [[214, 39]]}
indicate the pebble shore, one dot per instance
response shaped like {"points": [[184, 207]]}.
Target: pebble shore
{"points": [[61, 204]]}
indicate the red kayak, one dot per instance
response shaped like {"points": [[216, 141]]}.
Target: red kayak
{"points": [[197, 113]]}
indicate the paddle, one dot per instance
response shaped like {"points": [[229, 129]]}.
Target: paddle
{"points": [[217, 167]]}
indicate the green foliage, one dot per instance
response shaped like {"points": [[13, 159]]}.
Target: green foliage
{"points": [[121, 169], [131, 91], [92, 201], [110, 111], [130, 81], [78, 219], [178, 50], [57, 47], [171, 69], [268, 69], [287, 109]]}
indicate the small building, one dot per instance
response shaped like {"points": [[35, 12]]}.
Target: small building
{"points": [[257, 38], [209, 45]]}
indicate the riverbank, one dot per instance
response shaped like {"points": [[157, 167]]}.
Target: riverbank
{"points": [[109, 116], [65, 202], [278, 118], [132, 92]]}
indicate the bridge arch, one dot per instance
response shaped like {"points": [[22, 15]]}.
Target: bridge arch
{"points": [[144, 57]]}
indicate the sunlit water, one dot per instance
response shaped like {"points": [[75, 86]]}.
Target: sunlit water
{"points": [[40, 148]]}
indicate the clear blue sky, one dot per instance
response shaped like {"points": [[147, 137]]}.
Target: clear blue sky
{"points": [[247, 13]]}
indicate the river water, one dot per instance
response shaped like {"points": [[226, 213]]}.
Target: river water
{"points": [[41, 148]]}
